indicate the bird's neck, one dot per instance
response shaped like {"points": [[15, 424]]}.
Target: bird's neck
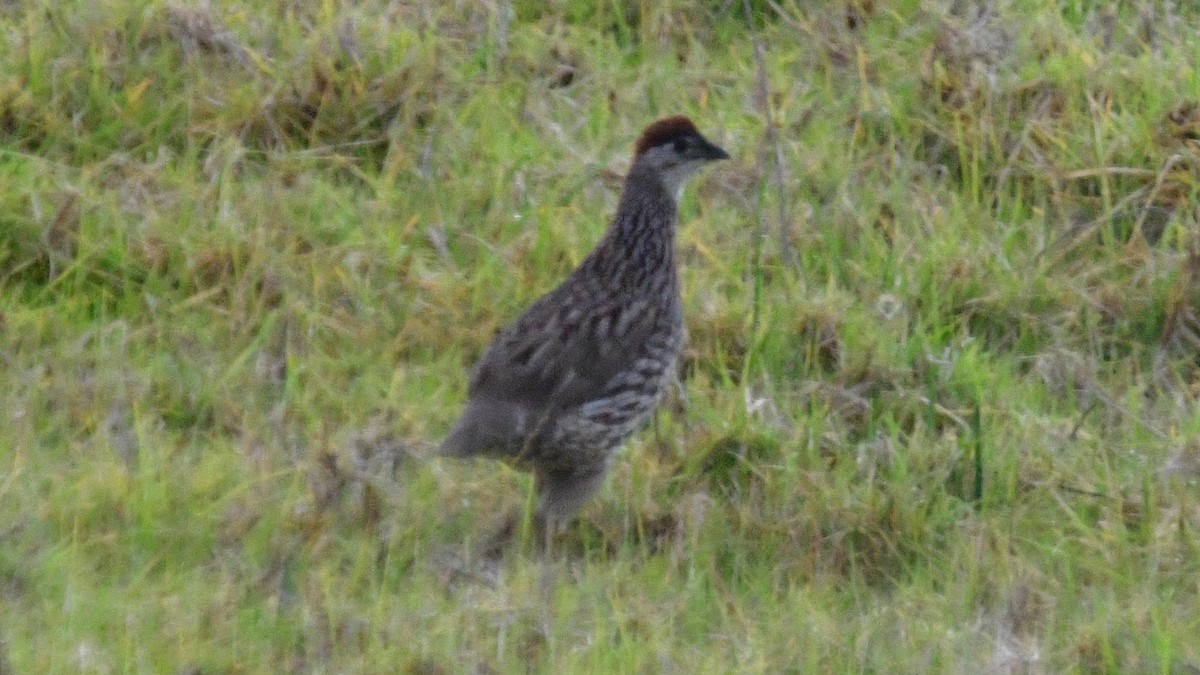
{"points": [[640, 243]]}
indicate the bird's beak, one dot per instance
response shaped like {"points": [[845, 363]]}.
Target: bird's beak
{"points": [[711, 151]]}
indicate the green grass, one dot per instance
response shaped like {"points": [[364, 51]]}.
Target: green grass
{"points": [[248, 251]]}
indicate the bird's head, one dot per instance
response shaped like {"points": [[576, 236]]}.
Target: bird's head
{"points": [[673, 148]]}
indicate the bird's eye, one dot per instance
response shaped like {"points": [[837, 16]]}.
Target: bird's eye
{"points": [[680, 144]]}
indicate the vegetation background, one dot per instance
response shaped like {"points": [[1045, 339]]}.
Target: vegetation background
{"points": [[941, 376]]}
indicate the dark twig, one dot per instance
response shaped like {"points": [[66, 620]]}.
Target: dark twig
{"points": [[977, 428], [764, 99], [1080, 491], [1082, 416]]}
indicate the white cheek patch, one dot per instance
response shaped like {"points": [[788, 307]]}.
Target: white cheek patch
{"points": [[677, 176]]}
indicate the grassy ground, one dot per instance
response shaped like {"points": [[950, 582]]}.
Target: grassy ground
{"points": [[941, 417]]}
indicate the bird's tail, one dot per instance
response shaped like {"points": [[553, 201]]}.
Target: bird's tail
{"points": [[485, 428], [459, 442]]}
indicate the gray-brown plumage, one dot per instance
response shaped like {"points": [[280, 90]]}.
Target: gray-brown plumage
{"points": [[561, 388]]}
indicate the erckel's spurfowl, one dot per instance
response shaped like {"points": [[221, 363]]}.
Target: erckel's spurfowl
{"points": [[562, 387]]}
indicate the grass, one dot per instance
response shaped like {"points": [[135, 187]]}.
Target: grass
{"points": [[247, 251]]}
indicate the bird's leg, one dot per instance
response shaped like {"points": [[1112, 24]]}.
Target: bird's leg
{"points": [[561, 493]]}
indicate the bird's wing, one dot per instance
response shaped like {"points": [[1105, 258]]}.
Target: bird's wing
{"points": [[559, 354]]}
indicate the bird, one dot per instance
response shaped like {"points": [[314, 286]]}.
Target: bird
{"points": [[562, 387]]}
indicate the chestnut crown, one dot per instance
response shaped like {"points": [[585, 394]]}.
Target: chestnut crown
{"points": [[682, 135]]}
